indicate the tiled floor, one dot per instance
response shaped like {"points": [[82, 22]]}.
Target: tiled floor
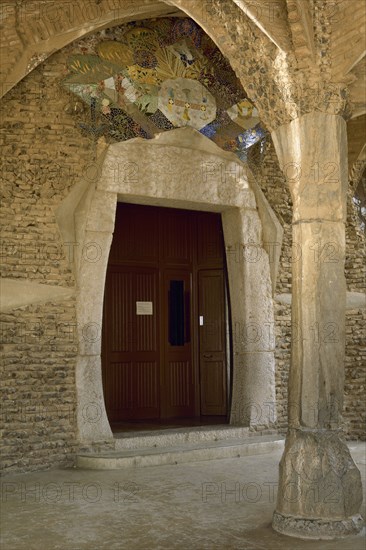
{"points": [[218, 504]]}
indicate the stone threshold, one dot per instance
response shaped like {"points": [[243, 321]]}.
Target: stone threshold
{"points": [[181, 446], [179, 435]]}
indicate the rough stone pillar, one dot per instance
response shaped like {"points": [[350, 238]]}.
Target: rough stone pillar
{"points": [[253, 398], [320, 489], [92, 421]]}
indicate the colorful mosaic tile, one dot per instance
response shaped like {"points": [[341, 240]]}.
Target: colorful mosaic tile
{"points": [[144, 78]]}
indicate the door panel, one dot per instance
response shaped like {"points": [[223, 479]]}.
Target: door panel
{"points": [[136, 235], [176, 236], [210, 241], [179, 381], [213, 391], [132, 356], [178, 375], [212, 342]]}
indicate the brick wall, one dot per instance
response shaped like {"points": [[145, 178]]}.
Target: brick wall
{"points": [[355, 264], [38, 386], [355, 381]]}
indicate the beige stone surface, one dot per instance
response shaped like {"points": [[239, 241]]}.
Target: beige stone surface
{"points": [[312, 152], [179, 453], [92, 421], [253, 401], [211, 505], [275, 188], [318, 347], [177, 169], [15, 293], [320, 489], [252, 319], [316, 381], [91, 290]]}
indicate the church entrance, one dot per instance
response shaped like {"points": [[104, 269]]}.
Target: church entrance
{"points": [[164, 345]]}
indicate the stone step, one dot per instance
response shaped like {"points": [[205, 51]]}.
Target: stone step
{"points": [[177, 436], [180, 453]]}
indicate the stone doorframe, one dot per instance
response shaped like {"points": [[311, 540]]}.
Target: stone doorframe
{"points": [[181, 169]]}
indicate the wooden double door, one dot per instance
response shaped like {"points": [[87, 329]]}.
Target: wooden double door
{"points": [[164, 325]]}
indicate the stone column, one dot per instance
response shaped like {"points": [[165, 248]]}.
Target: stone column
{"points": [[253, 398], [92, 421], [320, 489]]}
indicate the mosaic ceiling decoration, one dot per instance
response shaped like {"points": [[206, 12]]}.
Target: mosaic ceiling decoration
{"points": [[148, 77]]}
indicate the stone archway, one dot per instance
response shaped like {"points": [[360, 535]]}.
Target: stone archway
{"points": [[36, 36], [180, 169]]}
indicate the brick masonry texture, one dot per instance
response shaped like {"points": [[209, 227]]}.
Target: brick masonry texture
{"points": [[38, 386], [44, 157]]}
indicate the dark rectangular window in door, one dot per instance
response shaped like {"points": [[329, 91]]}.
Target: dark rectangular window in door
{"points": [[176, 313], [178, 367]]}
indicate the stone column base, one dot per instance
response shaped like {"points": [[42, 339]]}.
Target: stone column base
{"points": [[319, 490], [317, 529]]}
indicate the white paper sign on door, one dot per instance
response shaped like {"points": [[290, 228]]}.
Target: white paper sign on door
{"points": [[144, 308]]}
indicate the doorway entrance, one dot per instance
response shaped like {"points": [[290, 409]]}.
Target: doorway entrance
{"points": [[164, 344]]}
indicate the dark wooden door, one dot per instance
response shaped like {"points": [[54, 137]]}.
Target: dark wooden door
{"points": [[154, 354], [212, 342], [131, 343]]}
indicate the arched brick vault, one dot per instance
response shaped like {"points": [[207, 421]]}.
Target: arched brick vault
{"points": [[269, 43], [292, 57]]}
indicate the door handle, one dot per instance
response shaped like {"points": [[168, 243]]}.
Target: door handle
{"points": [[207, 355]]}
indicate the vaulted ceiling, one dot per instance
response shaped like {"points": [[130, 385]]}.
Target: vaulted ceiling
{"points": [[316, 38]]}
